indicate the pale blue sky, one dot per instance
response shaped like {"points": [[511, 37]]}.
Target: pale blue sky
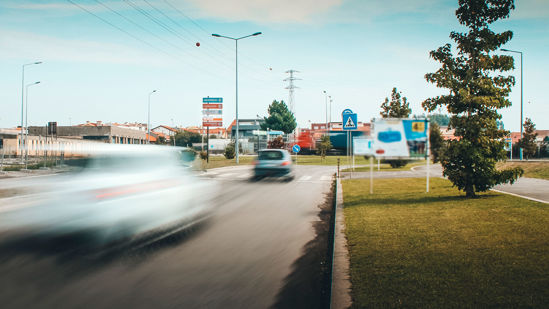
{"points": [[356, 50]]}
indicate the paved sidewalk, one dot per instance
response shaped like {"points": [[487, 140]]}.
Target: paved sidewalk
{"points": [[530, 188]]}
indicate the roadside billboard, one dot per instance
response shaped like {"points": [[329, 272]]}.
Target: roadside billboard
{"points": [[400, 138]]}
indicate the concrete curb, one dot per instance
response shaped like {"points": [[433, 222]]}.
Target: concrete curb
{"points": [[341, 283]]}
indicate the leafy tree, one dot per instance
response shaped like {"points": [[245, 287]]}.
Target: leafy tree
{"points": [[440, 119], [324, 146], [436, 142], [161, 140], [277, 143], [528, 140], [398, 107], [229, 151], [475, 95], [186, 138], [280, 118], [544, 147]]}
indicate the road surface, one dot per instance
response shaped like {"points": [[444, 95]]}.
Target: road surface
{"points": [[247, 255]]}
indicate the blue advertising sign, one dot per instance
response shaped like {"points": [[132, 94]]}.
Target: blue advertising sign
{"points": [[212, 100], [296, 148]]}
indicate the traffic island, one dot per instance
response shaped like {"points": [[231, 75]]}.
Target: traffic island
{"points": [[414, 249]]}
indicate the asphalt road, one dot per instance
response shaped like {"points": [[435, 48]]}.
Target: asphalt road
{"points": [[245, 256]]}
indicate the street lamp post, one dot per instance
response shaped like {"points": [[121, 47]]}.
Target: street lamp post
{"points": [[149, 119], [236, 52], [27, 121], [330, 117], [326, 107], [22, 102], [521, 95]]}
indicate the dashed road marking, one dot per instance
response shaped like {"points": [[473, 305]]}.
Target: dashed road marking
{"points": [[305, 178]]}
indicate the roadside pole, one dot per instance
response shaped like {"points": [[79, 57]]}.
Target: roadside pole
{"points": [[428, 153], [208, 144], [371, 175]]}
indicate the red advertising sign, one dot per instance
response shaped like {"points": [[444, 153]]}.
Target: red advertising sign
{"points": [[212, 105], [212, 124]]}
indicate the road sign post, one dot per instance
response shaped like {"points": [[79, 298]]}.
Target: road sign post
{"points": [[350, 122], [212, 116], [296, 149]]}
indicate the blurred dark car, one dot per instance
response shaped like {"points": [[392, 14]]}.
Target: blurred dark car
{"points": [[273, 163]]}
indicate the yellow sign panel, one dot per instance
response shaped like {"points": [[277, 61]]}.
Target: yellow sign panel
{"points": [[418, 126]]}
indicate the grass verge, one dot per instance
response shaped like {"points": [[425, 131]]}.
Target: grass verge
{"points": [[440, 250], [532, 169], [386, 167]]}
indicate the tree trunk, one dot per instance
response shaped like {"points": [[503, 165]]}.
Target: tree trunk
{"points": [[470, 191]]}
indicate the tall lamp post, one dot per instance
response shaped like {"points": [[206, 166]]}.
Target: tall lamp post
{"points": [[326, 105], [27, 121], [521, 96], [330, 117], [236, 52], [22, 102], [149, 119]]}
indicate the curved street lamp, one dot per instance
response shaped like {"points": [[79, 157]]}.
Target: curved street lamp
{"points": [[22, 102], [236, 51], [521, 106]]}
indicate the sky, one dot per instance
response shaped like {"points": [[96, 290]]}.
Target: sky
{"points": [[102, 58]]}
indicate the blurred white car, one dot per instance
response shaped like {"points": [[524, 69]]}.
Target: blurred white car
{"points": [[121, 192]]}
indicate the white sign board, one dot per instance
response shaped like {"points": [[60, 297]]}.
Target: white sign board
{"points": [[363, 146]]}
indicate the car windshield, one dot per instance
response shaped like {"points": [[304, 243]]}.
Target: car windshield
{"points": [[270, 155]]}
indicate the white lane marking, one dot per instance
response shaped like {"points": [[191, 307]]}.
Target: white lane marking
{"points": [[325, 177], [518, 195], [305, 178], [243, 176]]}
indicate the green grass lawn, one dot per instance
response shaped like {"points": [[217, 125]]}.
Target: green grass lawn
{"points": [[414, 249], [532, 169]]}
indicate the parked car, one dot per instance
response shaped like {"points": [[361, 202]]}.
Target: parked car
{"points": [[273, 163]]}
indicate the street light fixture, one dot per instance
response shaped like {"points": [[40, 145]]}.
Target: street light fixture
{"points": [[521, 96], [236, 52], [22, 102], [149, 119], [27, 122]]}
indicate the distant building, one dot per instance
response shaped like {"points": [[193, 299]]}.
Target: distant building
{"points": [[103, 133], [246, 127]]}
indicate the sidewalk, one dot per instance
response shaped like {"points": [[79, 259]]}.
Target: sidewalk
{"points": [[529, 188]]}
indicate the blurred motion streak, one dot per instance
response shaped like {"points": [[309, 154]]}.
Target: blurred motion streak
{"points": [[121, 192]]}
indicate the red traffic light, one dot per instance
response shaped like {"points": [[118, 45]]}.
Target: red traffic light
{"points": [[197, 44]]}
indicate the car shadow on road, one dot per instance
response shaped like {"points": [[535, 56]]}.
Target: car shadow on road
{"points": [[76, 254]]}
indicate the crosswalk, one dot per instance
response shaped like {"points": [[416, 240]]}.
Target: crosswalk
{"points": [[229, 176]]}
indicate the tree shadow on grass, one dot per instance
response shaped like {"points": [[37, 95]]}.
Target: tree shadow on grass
{"points": [[384, 201]]}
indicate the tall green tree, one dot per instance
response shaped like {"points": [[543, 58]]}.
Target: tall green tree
{"points": [[528, 140], [477, 89], [280, 118], [397, 107]]}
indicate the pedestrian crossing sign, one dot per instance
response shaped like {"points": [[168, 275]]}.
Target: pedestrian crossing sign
{"points": [[349, 121]]}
